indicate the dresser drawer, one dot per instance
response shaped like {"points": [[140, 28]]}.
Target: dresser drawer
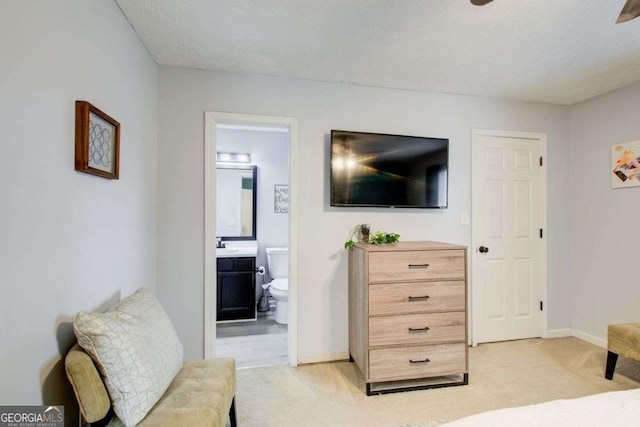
{"points": [[416, 265], [416, 362], [407, 298], [417, 328]]}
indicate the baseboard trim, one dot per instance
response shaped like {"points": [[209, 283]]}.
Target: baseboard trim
{"points": [[589, 338], [554, 333], [320, 358], [558, 333]]}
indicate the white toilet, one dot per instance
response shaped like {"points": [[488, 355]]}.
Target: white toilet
{"points": [[278, 263]]}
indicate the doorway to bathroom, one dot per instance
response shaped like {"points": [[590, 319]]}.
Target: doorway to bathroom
{"points": [[250, 280]]}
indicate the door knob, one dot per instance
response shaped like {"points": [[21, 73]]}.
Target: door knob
{"points": [[483, 249]]}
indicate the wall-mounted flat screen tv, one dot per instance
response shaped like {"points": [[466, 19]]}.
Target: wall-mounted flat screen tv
{"points": [[378, 170]]}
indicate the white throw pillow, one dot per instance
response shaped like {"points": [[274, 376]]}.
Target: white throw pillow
{"points": [[136, 350]]}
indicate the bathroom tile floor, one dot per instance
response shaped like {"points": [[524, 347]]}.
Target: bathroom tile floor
{"points": [[253, 344]]}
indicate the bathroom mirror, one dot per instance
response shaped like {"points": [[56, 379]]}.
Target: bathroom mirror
{"points": [[236, 191]]}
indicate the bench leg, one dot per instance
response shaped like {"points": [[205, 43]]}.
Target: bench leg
{"points": [[612, 358], [232, 413]]}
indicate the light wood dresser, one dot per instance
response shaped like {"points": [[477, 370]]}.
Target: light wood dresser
{"points": [[408, 315]]}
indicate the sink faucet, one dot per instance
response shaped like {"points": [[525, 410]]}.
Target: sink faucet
{"points": [[219, 244]]}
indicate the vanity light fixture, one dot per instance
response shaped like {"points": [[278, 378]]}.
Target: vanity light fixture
{"points": [[233, 157]]}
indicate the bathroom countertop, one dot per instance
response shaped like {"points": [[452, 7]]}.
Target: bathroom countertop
{"points": [[237, 251]]}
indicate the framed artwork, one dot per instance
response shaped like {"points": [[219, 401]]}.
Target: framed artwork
{"points": [[281, 199], [97, 142], [625, 165]]}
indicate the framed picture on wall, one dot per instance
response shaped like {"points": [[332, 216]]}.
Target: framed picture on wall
{"points": [[281, 199], [97, 142], [625, 165]]}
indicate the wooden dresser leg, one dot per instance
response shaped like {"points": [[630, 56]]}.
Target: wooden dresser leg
{"points": [[612, 358], [369, 389]]}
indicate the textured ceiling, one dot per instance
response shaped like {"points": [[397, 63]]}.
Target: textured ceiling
{"points": [[556, 51]]}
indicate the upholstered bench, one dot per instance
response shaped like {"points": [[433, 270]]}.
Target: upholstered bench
{"points": [[129, 362], [622, 339]]}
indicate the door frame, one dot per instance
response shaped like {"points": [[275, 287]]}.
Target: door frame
{"points": [[212, 120], [542, 140]]}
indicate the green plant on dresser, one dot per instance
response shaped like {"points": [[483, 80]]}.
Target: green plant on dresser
{"points": [[361, 233]]}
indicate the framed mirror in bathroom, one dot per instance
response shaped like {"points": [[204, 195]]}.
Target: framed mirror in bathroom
{"points": [[236, 196]]}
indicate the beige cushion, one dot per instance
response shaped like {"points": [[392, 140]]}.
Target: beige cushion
{"points": [[200, 395], [135, 349], [624, 339], [87, 385]]}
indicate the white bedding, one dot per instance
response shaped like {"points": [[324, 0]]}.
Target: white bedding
{"points": [[616, 408]]}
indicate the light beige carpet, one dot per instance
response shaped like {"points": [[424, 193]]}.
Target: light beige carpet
{"points": [[501, 375]]}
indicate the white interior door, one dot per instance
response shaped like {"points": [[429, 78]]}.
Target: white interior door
{"points": [[506, 222]]}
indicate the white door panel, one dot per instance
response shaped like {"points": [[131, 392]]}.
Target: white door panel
{"points": [[506, 220]]}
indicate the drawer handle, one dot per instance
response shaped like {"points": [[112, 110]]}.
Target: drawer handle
{"points": [[419, 361], [425, 329], [422, 298], [418, 265]]}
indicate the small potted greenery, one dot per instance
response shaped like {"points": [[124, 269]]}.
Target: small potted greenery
{"points": [[361, 233]]}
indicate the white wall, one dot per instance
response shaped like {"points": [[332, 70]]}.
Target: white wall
{"points": [[184, 96], [68, 241], [270, 152], [604, 221]]}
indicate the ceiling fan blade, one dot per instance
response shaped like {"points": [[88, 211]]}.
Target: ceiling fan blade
{"points": [[480, 2], [630, 11]]}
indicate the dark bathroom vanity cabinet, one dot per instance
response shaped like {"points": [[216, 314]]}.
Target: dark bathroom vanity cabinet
{"points": [[236, 288]]}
